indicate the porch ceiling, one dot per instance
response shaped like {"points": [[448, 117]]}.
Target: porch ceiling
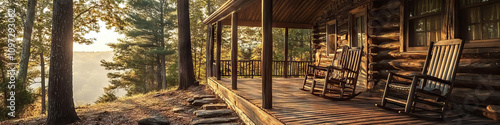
{"points": [[286, 13]]}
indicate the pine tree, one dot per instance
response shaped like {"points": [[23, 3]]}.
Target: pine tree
{"points": [[186, 71], [61, 105]]}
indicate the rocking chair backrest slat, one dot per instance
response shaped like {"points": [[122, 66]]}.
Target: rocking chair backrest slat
{"points": [[352, 62], [338, 60], [442, 63]]}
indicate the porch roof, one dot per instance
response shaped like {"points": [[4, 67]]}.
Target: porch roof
{"points": [[286, 13]]}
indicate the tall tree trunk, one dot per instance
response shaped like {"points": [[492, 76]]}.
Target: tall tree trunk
{"points": [[186, 73], [162, 44], [157, 71], [61, 105], [199, 59], [42, 65], [25, 55]]}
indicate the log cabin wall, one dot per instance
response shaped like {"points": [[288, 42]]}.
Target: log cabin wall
{"points": [[478, 74]]}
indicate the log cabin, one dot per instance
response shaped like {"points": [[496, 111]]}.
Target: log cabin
{"points": [[395, 35]]}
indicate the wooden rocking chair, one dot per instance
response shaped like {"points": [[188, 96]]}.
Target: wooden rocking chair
{"points": [[311, 78], [342, 79], [433, 87]]}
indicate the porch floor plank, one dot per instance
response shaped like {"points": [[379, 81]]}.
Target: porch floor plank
{"points": [[294, 106]]}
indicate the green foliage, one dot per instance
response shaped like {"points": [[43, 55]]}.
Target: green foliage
{"points": [[136, 56], [107, 97]]}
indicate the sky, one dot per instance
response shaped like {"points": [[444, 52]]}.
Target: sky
{"points": [[102, 38]]}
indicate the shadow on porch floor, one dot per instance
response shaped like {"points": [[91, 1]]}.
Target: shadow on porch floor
{"points": [[294, 106]]}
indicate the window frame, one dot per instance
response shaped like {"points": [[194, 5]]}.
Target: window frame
{"points": [[328, 24], [463, 26], [357, 12], [405, 25]]}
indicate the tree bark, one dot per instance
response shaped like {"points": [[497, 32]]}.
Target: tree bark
{"points": [[186, 72], [61, 105], [28, 29], [42, 65], [162, 44]]}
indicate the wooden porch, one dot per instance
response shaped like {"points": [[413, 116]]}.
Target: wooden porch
{"points": [[294, 106]]}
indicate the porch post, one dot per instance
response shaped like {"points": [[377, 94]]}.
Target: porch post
{"points": [[267, 53], [285, 70], [234, 50], [219, 39]]}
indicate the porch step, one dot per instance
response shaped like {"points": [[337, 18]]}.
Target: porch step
{"points": [[214, 106], [214, 120], [212, 113]]}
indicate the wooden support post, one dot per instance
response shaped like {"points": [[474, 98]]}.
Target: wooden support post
{"points": [[234, 51], [285, 67], [267, 53], [219, 41]]}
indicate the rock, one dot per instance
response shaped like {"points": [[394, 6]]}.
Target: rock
{"points": [[204, 101], [210, 99], [212, 113], [178, 109], [214, 106], [157, 94], [213, 120], [203, 96], [154, 121], [190, 100], [228, 124]]}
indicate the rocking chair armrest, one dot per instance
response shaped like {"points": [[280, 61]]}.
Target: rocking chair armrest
{"points": [[322, 68], [401, 76], [432, 78], [335, 68]]}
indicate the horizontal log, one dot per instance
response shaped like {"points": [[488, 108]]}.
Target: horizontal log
{"points": [[385, 37], [386, 25], [386, 4], [462, 80], [400, 64], [376, 30], [477, 53], [467, 54], [391, 45], [484, 66], [471, 96]]}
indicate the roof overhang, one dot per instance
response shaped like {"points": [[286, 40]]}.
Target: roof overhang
{"points": [[299, 14]]}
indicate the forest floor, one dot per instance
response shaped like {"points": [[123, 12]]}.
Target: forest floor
{"points": [[129, 110]]}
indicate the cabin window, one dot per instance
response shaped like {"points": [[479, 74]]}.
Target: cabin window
{"points": [[424, 23], [358, 37], [481, 19], [331, 36]]}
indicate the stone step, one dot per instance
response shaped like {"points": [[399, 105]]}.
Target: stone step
{"points": [[212, 113], [203, 96], [214, 120], [200, 102], [214, 106], [196, 97], [153, 121], [226, 124]]}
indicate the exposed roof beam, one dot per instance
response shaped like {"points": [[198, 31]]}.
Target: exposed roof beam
{"points": [[275, 24]]}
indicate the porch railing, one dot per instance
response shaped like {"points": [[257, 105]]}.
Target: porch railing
{"points": [[252, 68]]}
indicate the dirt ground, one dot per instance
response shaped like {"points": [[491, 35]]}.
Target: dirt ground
{"points": [[129, 110]]}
